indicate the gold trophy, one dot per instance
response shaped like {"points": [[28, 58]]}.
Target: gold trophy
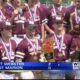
{"points": [[47, 49]]}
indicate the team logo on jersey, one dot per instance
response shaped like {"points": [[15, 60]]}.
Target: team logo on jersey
{"points": [[60, 54]]}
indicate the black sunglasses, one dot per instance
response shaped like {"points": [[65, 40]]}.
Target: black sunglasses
{"points": [[58, 22], [8, 28]]}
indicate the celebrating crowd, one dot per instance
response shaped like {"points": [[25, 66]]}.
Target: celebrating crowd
{"points": [[24, 27]]}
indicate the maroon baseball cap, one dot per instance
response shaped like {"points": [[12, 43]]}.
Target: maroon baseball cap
{"points": [[59, 20], [74, 22], [30, 26], [5, 25]]}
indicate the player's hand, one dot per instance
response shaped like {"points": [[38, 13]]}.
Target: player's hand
{"points": [[68, 60]]}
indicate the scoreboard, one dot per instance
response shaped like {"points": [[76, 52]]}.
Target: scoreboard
{"points": [[40, 66], [76, 65]]}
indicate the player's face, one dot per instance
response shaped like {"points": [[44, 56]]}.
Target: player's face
{"points": [[77, 27], [30, 32], [17, 3], [7, 32], [57, 1], [33, 32], [58, 26]]}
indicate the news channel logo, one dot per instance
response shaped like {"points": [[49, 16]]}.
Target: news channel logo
{"points": [[76, 65]]}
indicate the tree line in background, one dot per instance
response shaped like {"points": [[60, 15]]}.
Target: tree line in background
{"points": [[49, 2], [66, 2]]}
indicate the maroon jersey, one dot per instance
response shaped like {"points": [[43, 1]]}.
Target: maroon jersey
{"points": [[32, 15], [25, 49], [18, 28], [56, 11], [63, 53], [7, 52], [71, 8], [76, 41], [44, 13], [8, 10], [36, 15], [76, 17]]}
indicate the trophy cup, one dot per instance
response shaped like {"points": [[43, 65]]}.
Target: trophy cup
{"points": [[47, 49]]}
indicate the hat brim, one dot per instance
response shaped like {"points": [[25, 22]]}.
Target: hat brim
{"points": [[31, 26], [60, 22]]}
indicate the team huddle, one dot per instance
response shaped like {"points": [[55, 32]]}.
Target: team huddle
{"points": [[25, 26]]}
